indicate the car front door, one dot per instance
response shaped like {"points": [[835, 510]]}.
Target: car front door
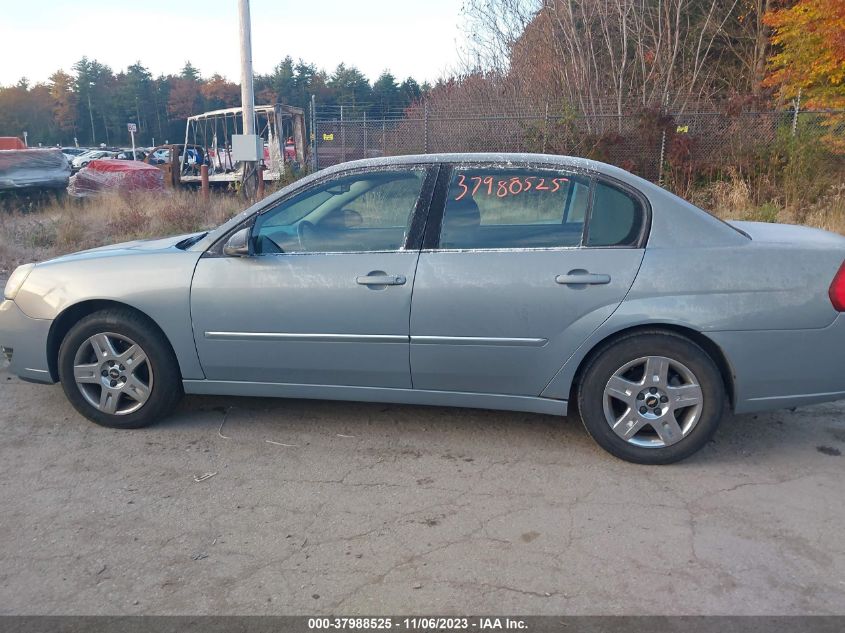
{"points": [[325, 298], [518, 269]]}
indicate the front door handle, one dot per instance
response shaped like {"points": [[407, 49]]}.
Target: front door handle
{"points": [[380, 279], [582, 277]]}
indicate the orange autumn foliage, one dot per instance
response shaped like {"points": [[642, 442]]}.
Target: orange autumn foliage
{"points": [[810, 39], [810, 62]]}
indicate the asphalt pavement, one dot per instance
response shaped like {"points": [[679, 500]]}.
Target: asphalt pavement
{"points": [[258, 506]]}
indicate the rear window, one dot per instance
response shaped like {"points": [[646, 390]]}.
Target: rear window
{"points": [[616, 218]]}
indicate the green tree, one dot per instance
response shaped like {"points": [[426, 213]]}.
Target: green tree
{"points": [[13, 111], [134, 100], [350, 87], [410, 90], [65, 103], [282, 81], [387, 97], [189, 72], [30, 109], [94, 87]]}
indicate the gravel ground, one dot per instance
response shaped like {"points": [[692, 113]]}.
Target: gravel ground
{"points": [[314, 507]]}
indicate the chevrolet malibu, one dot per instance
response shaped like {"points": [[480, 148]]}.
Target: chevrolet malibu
{"points": [[499, 281]]}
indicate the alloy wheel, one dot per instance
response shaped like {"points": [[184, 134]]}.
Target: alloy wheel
{"points": [[113, 373], [653, 401]]}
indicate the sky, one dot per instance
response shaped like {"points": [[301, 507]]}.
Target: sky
{"points": [[419, 39]]}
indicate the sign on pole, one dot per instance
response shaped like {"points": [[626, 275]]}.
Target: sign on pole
{"points": [[132, 129]]}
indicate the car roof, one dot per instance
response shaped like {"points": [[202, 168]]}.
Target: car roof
{"points": [[473, 157], [504, 159]]}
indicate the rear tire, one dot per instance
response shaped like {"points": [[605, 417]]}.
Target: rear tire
{"points": [[117, 370], [651, 397]]}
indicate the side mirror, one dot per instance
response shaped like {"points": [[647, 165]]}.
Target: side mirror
{"points": [[238, 244]]}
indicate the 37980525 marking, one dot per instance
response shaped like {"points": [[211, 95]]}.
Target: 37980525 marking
{"points": [[508, 186]]}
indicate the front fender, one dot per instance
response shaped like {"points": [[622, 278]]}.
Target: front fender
{"points": [[158, 284]]}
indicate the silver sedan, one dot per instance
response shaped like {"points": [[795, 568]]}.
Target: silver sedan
{"points": [[519, 282]]}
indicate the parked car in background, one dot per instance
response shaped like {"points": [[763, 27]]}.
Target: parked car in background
{"points": [[127, 154], [123, 176], [72, 152], [11, 143], [95, 154], [33, 171], [501, 281]]}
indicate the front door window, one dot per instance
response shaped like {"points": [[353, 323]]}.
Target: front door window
{"points": [[368, 212]]}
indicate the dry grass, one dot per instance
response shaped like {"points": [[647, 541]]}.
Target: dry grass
{"points": [[71, 225], [732, 199]]}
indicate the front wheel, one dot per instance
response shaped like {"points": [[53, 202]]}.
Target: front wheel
{"points": [[651, 398], [118, 371]]}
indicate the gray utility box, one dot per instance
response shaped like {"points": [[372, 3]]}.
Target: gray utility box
{"points": [[247, 147]]}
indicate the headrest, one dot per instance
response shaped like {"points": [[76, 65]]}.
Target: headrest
{"points": [[462, 214]]}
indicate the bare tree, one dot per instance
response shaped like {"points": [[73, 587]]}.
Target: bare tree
{"points": [[608, 56]]}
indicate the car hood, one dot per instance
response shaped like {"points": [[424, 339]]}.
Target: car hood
{"points": [[128, 248]]}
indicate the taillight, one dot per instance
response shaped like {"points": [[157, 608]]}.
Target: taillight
{"points": [[837, 289]]}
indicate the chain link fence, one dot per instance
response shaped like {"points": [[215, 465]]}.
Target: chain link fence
{"points": [[655, 145]]}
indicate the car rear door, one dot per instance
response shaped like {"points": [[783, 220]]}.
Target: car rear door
{"points": [[325, 299], [519, 265]]}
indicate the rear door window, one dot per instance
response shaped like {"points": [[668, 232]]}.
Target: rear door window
{"points": [[514, 208]]}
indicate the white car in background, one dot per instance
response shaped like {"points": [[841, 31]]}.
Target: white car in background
{"points": [[72, 152], [83, 159]]}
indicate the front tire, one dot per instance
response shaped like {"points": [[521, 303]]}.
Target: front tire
{"points": [[118, 371], [651, 398]]}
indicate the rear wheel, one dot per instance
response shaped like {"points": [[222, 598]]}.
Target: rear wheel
{"points": [[651, 398], [118, 371]]}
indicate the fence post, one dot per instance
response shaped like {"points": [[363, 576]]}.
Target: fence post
{"points": [[384, 137], [797, 106], [342, 137], [204, 182], [366, 144], [425, 127], [660, 160], [663, 111], [314, 162], [545, 127]]}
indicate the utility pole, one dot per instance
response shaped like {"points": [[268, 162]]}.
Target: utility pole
{"points": [[250, 171], [247, 95], [91, 114]]}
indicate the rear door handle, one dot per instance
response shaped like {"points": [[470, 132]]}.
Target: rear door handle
{"points": [[582, 277], [380, 280]]}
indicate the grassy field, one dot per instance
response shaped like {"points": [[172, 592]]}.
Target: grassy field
{"points": [[733, 200], [70, 225]]}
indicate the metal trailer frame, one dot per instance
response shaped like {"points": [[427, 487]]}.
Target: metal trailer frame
{"points": [[269, 124]]}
